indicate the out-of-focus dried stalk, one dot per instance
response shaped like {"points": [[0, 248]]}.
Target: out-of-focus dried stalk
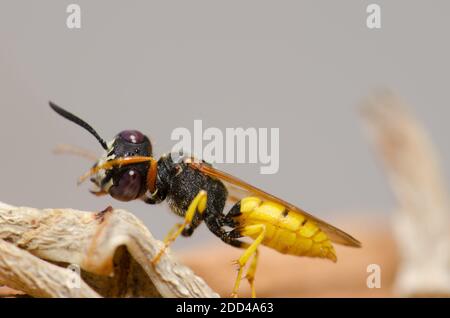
{"points": [[421, 224], [112, 248]]}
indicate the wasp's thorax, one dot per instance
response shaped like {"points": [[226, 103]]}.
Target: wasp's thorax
{"points": [[128, 182]]}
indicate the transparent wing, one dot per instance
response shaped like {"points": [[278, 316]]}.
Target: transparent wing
{"points": [[239, 189]]}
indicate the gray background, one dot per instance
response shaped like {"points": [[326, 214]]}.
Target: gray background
{"points": [[302, 66]]}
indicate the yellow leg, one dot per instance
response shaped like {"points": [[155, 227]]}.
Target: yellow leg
{"points": [[237, 282], [251, 273], [172, 232], [197, 205], [250, 230]]}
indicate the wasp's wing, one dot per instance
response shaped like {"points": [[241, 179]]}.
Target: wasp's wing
{"points": [[235, 193], [240, 188]]}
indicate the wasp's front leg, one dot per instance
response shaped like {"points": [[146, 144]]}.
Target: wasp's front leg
{"points": [[198, 205]]}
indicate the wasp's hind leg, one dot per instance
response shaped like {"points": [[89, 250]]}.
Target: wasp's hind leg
{"points": [[256, 231], [251, 273], [197, 206], [251, 249], [216, 223]]}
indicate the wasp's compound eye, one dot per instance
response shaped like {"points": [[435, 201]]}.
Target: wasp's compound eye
{"points": [[128, 187], [132, 136]]}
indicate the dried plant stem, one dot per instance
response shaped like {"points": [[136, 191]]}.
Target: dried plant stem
{"points": [[421, 223], [112, 248]]}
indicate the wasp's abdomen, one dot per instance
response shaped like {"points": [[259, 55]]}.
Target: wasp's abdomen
{"points": [[288, 232]]}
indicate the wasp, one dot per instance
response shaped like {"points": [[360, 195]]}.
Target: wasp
{"points": [[198, 192]]}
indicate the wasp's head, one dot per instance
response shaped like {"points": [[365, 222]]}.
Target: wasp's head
{"points": [[124, 182], [123, 171]]}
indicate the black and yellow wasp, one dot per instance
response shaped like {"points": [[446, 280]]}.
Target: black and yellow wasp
{"points": [[198, 192]]}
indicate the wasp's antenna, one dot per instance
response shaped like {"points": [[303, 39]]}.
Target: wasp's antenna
{"points": [[79, 122]]}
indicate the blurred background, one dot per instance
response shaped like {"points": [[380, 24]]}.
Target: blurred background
{"points": [[301, 66]]}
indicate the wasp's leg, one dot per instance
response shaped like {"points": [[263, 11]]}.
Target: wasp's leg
{"points": [[215, 224], [229, 239], [197, 205], [258, 230], [172, 232], [98, 193], [120, 162], [188, 230], [251, 273], [232, 239], [154, 198]]}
